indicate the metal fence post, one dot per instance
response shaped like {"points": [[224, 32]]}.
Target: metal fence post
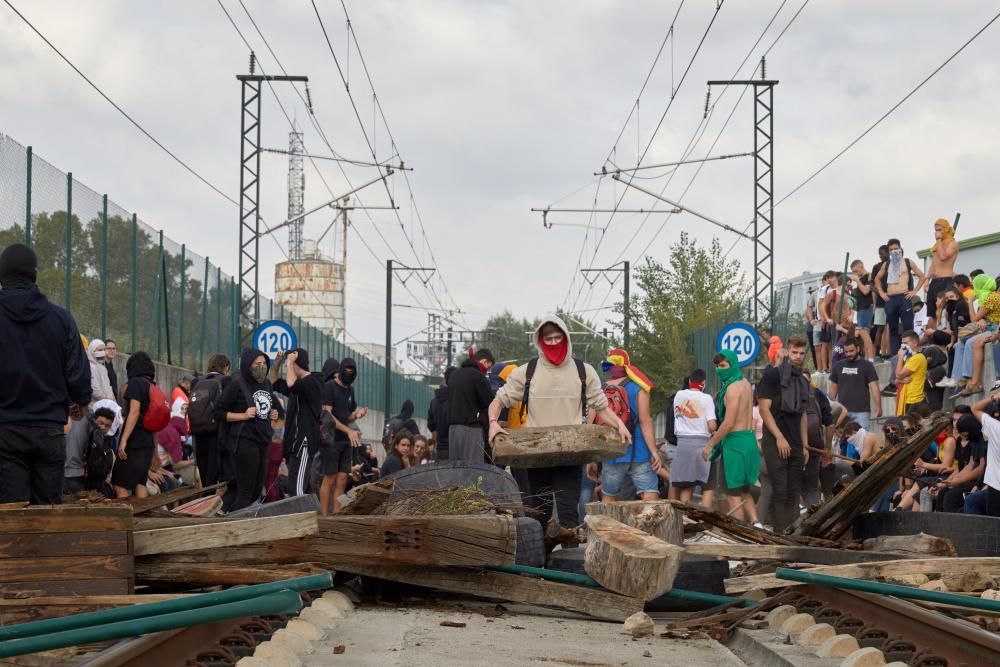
{"points": [[135, 278], [218, 310], [166, 304], [104, 267], [204, 318], [27, 203], [180, 353], [157, 282], [235, 305], [69, 242]]}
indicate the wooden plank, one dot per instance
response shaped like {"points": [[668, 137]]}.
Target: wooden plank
{"points": [[65, 519], [366, 498], [224, 534], [928, 566], [507, 587], [72, 587], [792, 554], [148, 522], [160, 570], [39, 608], [542, 447], [629, 561], [94, 543], [65, 568], [140, 505], [659, 518]]}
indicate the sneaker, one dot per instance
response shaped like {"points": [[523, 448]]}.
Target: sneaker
{"points": [[759, 525], [948, 382], [959, 389], [889, 390], [995, 388], [972, 390]]}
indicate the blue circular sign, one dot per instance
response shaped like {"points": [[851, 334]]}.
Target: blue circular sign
{"points": [[741, 339], [274, 336]]}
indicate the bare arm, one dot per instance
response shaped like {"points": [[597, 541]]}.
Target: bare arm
{"points": [[832, 393], [876, 393], [901, 371], [731, 401], [290, 377], [921, 280], [878, 282], [646, 426]]}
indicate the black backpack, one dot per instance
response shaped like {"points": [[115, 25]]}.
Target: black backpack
{"points": [[389, 431], [669, 433], [935, 356], [202, 406], [100, 457], [581, 371]]}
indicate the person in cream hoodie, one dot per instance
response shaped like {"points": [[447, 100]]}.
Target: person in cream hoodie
{"points": [[560, 388]]}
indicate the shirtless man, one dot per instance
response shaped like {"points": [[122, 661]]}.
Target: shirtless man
{"points": [[899, 275], [944, 252], [735, 437]]}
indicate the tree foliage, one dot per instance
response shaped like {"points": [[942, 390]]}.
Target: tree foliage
{"points": [[508, 338]]}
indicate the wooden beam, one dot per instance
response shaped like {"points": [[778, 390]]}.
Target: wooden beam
{"points": [[506, 587], [70, 587], [160, 570], [93, 543], [659, 518], [140, 505], [64, 519], [928, 566], [817, 555], [65, 568], [366, 498], [224, 534], [543, 447]]}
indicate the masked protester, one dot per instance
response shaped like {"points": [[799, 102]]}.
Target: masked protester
{"points": [[247, 407], [336, 456]]}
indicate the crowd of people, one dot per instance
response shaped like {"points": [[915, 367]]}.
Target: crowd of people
{"points": [[277, 428]]}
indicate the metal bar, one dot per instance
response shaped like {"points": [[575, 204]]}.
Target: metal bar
{"points": [[218, 311], [135, 278], [683, 208], [69, 243], [359, 163], [180, 352], [603, 210], [788, 308], [605, 172], [204, 318], [267, 77], [627, 314], [744, 82], [281, 602], [104, 267], [187, 603], [27, 200], [234, 340], [158, 285], [329, 204], [166, 305], [388, 337]]}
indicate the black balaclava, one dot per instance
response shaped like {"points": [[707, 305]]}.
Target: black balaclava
{"points": [[348, 371], [18, 267], [407, 410], [330, 368], [302, 361]]}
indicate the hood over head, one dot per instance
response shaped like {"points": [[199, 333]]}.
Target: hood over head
{"points": [[18, 267], [348, 371], [969, 424], [139, 364], [441, 393], [556, 320], [406, 412], [92, 349], [330, 368], [246, 359]]}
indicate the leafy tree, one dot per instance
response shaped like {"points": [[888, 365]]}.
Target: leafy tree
{"points": [[672, 302]]}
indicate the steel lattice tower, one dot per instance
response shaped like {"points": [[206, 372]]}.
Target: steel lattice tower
{"points": [[296, 192]]}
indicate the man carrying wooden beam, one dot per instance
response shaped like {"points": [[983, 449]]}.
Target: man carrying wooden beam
{"points": [[554, 389]]}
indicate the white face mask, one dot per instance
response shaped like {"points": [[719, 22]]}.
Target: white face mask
{"points": [[100, 354]]}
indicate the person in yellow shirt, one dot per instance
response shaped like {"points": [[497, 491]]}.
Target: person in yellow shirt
{"points": [[911, 374]]}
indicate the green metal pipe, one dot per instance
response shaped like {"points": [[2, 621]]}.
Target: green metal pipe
{"points": [[585, 580], [281, 602], [138, 611], [887, 589]]}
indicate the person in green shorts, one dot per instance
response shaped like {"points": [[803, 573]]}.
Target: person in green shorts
{"points": [[735, 440]]}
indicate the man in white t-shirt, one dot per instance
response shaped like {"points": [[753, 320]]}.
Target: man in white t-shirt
{"points": [[919, 316], [986, 412], [694, 423]]}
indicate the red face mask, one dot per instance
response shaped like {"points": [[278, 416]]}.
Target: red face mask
{"points": [[484, 366], [556, 354]]}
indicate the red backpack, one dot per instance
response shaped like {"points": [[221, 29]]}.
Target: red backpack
{"points": [[158, 413], [618, 402]]}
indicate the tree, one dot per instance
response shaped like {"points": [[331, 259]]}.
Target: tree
{"points": [[672, 302]]}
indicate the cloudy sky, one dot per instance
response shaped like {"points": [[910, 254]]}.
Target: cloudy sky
{"points": [[504, 106]]}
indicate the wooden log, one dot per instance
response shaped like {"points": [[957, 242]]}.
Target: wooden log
{"points": [[64, 519], [365, 498], [920, 544], [628, 561], [224, 534], [791, 554], [730, 525], [928, 566], [543, 447], [507, 587], [160, 570], [659, 518]]}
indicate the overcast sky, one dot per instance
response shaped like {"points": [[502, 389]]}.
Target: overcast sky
{"points": [[504, 106]]}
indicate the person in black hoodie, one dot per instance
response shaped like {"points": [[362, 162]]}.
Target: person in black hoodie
{"points": [[301, 438], [469, 395], [136, 447], [205, 394], [437, 416], [405, 419], [46, 377], [247, 406]]}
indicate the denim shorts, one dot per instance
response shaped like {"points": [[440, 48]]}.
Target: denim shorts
{"points": [[866, 317], [643, 477]]}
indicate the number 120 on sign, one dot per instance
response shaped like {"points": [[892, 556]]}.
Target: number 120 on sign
{"points": [[742, 340]]}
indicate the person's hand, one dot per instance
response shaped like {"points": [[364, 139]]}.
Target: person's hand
{"points": [[155, 476], [654, 462], [784, 449], [121, 450], [356, 468], [280, 355], [981, 324], [918, 465], [623, 432], [272, 415], [877, 412], [495, 430], [909, 295], [354, 437], [825, 459], [360, 413], [706, 451], [805, 456], [249, 413], [592, 473]]}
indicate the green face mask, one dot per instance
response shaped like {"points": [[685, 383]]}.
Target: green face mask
{"points": [[734, 372]]}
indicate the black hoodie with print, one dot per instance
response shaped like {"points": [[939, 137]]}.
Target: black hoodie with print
{"points": [[235, 397]]}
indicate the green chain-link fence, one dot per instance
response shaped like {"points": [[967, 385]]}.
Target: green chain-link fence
{"points": [[124, 280]]}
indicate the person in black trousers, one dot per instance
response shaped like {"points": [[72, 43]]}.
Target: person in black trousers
{"points": [[204, 426], [246, 408]]}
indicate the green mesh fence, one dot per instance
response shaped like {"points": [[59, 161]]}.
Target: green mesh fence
{"points": [[125, 280]]}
